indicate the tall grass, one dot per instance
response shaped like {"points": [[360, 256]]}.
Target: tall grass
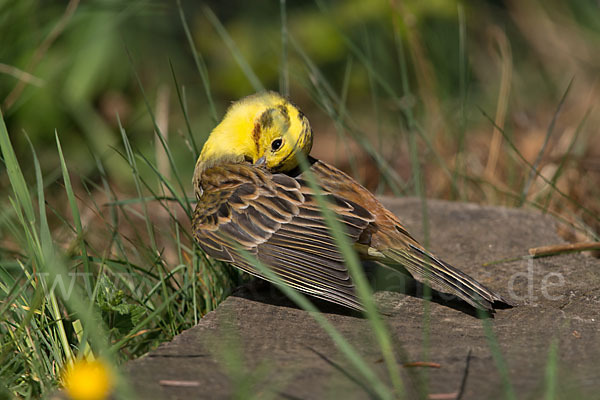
{"points": [[109, 290], [89, 269]]}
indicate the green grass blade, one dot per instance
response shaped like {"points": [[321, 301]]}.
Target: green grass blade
{"points": [[183, 201], [359, 278], [538, 159], [73, 205], [501, 366], [459, 167], [538, 173], [15, 175], [138, 188], [345, 347], [200, 64], [159, 134], [330, 102], [233, 49], [550, 376], [284, 81], [564, 158], [184, 109]]}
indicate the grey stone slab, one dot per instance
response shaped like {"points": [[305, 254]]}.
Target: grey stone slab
{"points": [[285, 354]]}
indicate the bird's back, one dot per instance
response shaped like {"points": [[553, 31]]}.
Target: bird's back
{"points": [[386, 240], [276, 218]]}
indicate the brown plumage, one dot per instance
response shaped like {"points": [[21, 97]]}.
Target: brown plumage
{"points": [[275, 216]]}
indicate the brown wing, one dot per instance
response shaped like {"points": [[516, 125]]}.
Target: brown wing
{"points": [[387, 238], [277, 219]]}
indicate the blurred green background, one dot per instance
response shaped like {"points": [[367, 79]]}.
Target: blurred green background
{"points": [[69, 67], [494, 102]]}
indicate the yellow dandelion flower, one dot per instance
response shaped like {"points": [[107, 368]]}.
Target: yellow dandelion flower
{"points": [[88, 380]]}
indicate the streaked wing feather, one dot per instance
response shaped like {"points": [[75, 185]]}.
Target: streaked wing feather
{"points": [[277, 218], [312, 268], [388, 238]]}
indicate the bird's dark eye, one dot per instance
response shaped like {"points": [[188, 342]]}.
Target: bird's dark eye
{"points": [[276, 144]]}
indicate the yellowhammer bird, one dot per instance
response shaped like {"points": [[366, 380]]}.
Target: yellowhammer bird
{"points": [[252, 194]]}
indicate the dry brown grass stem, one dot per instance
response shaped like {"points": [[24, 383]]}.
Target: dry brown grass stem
{"points": [[39, 53], [505, 56], [563, 248], [425, 75], [162, 121], [21, 75]]}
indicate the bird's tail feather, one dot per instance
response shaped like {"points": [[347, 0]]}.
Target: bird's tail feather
{"points": [[428, 269]]}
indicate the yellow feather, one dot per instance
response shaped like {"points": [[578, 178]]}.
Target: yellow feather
{"points": [[245, 133]]}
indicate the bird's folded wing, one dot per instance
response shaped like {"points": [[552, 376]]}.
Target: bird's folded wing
{"points": [[277, 219]]}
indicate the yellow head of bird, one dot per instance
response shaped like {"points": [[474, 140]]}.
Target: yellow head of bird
{"points": [[264, 129]]}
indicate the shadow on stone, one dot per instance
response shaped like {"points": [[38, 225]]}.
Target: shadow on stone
{"points": [[393, 281], [264, 292], [559, 308], [400, 281]]}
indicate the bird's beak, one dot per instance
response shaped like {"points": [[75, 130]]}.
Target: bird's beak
{"points": [[260, 161]]}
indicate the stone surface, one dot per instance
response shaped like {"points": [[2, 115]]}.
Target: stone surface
{"points": [[285, 354]]}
